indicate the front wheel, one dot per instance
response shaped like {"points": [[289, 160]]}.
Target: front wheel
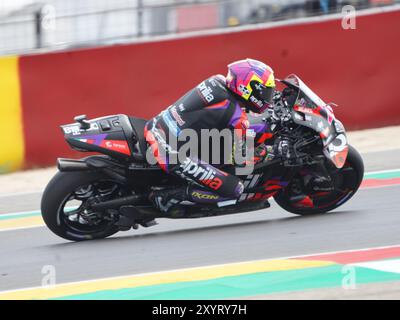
{"points": [[346, 181], [66, 203]]}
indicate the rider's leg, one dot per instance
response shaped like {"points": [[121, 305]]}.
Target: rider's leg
{"points": [[214, 185]]}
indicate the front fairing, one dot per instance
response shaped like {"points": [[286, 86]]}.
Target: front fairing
{"points": [[311, 111], [337, 150]]}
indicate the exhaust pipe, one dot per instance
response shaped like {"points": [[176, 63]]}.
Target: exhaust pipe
{"points": [[66, 165], [117, 203], [92, 163]]}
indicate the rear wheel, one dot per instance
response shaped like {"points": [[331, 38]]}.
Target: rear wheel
{"points": [[346, 181], [66, 205]]}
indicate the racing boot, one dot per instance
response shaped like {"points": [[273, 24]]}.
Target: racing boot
{"points": [[165, 199]]}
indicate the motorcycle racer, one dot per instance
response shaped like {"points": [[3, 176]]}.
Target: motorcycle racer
{"points": [[216, 103], [301, 158]]}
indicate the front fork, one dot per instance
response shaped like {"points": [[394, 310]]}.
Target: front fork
{"points": [[321, 179]]}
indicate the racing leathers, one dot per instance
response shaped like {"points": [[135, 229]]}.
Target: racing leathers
{"points": [[210, 105]]}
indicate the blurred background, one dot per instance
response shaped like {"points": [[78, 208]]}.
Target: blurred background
{"points": [[62, 58], [28, 25]]}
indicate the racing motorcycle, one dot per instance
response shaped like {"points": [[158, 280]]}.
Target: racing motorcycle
{"points": [[99, 195]]}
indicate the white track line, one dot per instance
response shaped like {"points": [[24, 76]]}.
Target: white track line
{"points": [[22, 228], [16, 194]]}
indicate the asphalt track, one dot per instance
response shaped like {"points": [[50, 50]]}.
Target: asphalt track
{"points": [[370, 219]]}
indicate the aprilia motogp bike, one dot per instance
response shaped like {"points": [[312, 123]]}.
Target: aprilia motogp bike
{"points": [[99, 195]]}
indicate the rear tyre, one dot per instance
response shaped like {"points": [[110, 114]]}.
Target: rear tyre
{"points": [[76, 224], [347, 179]]}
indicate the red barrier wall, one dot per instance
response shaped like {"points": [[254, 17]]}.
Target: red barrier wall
{"points": [[357, 69]]}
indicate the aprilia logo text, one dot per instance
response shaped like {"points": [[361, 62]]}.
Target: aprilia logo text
{"points": [[206, 92], [205, 175]]}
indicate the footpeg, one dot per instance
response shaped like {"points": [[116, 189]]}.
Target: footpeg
{"points": [[149, 223]]}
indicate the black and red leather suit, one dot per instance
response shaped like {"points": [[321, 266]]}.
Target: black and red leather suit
{"points": [[210, 105]]}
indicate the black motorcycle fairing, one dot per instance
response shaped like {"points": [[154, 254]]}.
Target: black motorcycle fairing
{"points": [[111, 135], [311, 111]]}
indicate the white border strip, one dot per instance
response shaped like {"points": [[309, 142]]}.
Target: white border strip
{"points": [[201, 267], [22, 228]]}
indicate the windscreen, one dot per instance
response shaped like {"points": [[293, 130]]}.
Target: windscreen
{"points": [[311, 94]]}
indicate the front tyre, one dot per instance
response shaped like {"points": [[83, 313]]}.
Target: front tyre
{"points": [[65, 205], [347, 180]]}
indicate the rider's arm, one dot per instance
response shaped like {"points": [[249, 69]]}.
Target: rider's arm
{"points": [[239, 123]]}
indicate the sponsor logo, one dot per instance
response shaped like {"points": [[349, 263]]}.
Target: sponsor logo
{"points": [[205, 196], [117, 145], [76, 129], [170, 123], [303, 109], [111, 144], [206, 176], [206, 91], [176, 116], [256, 101]]}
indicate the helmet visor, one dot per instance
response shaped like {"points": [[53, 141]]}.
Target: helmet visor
{"points": [[262, 92]]}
